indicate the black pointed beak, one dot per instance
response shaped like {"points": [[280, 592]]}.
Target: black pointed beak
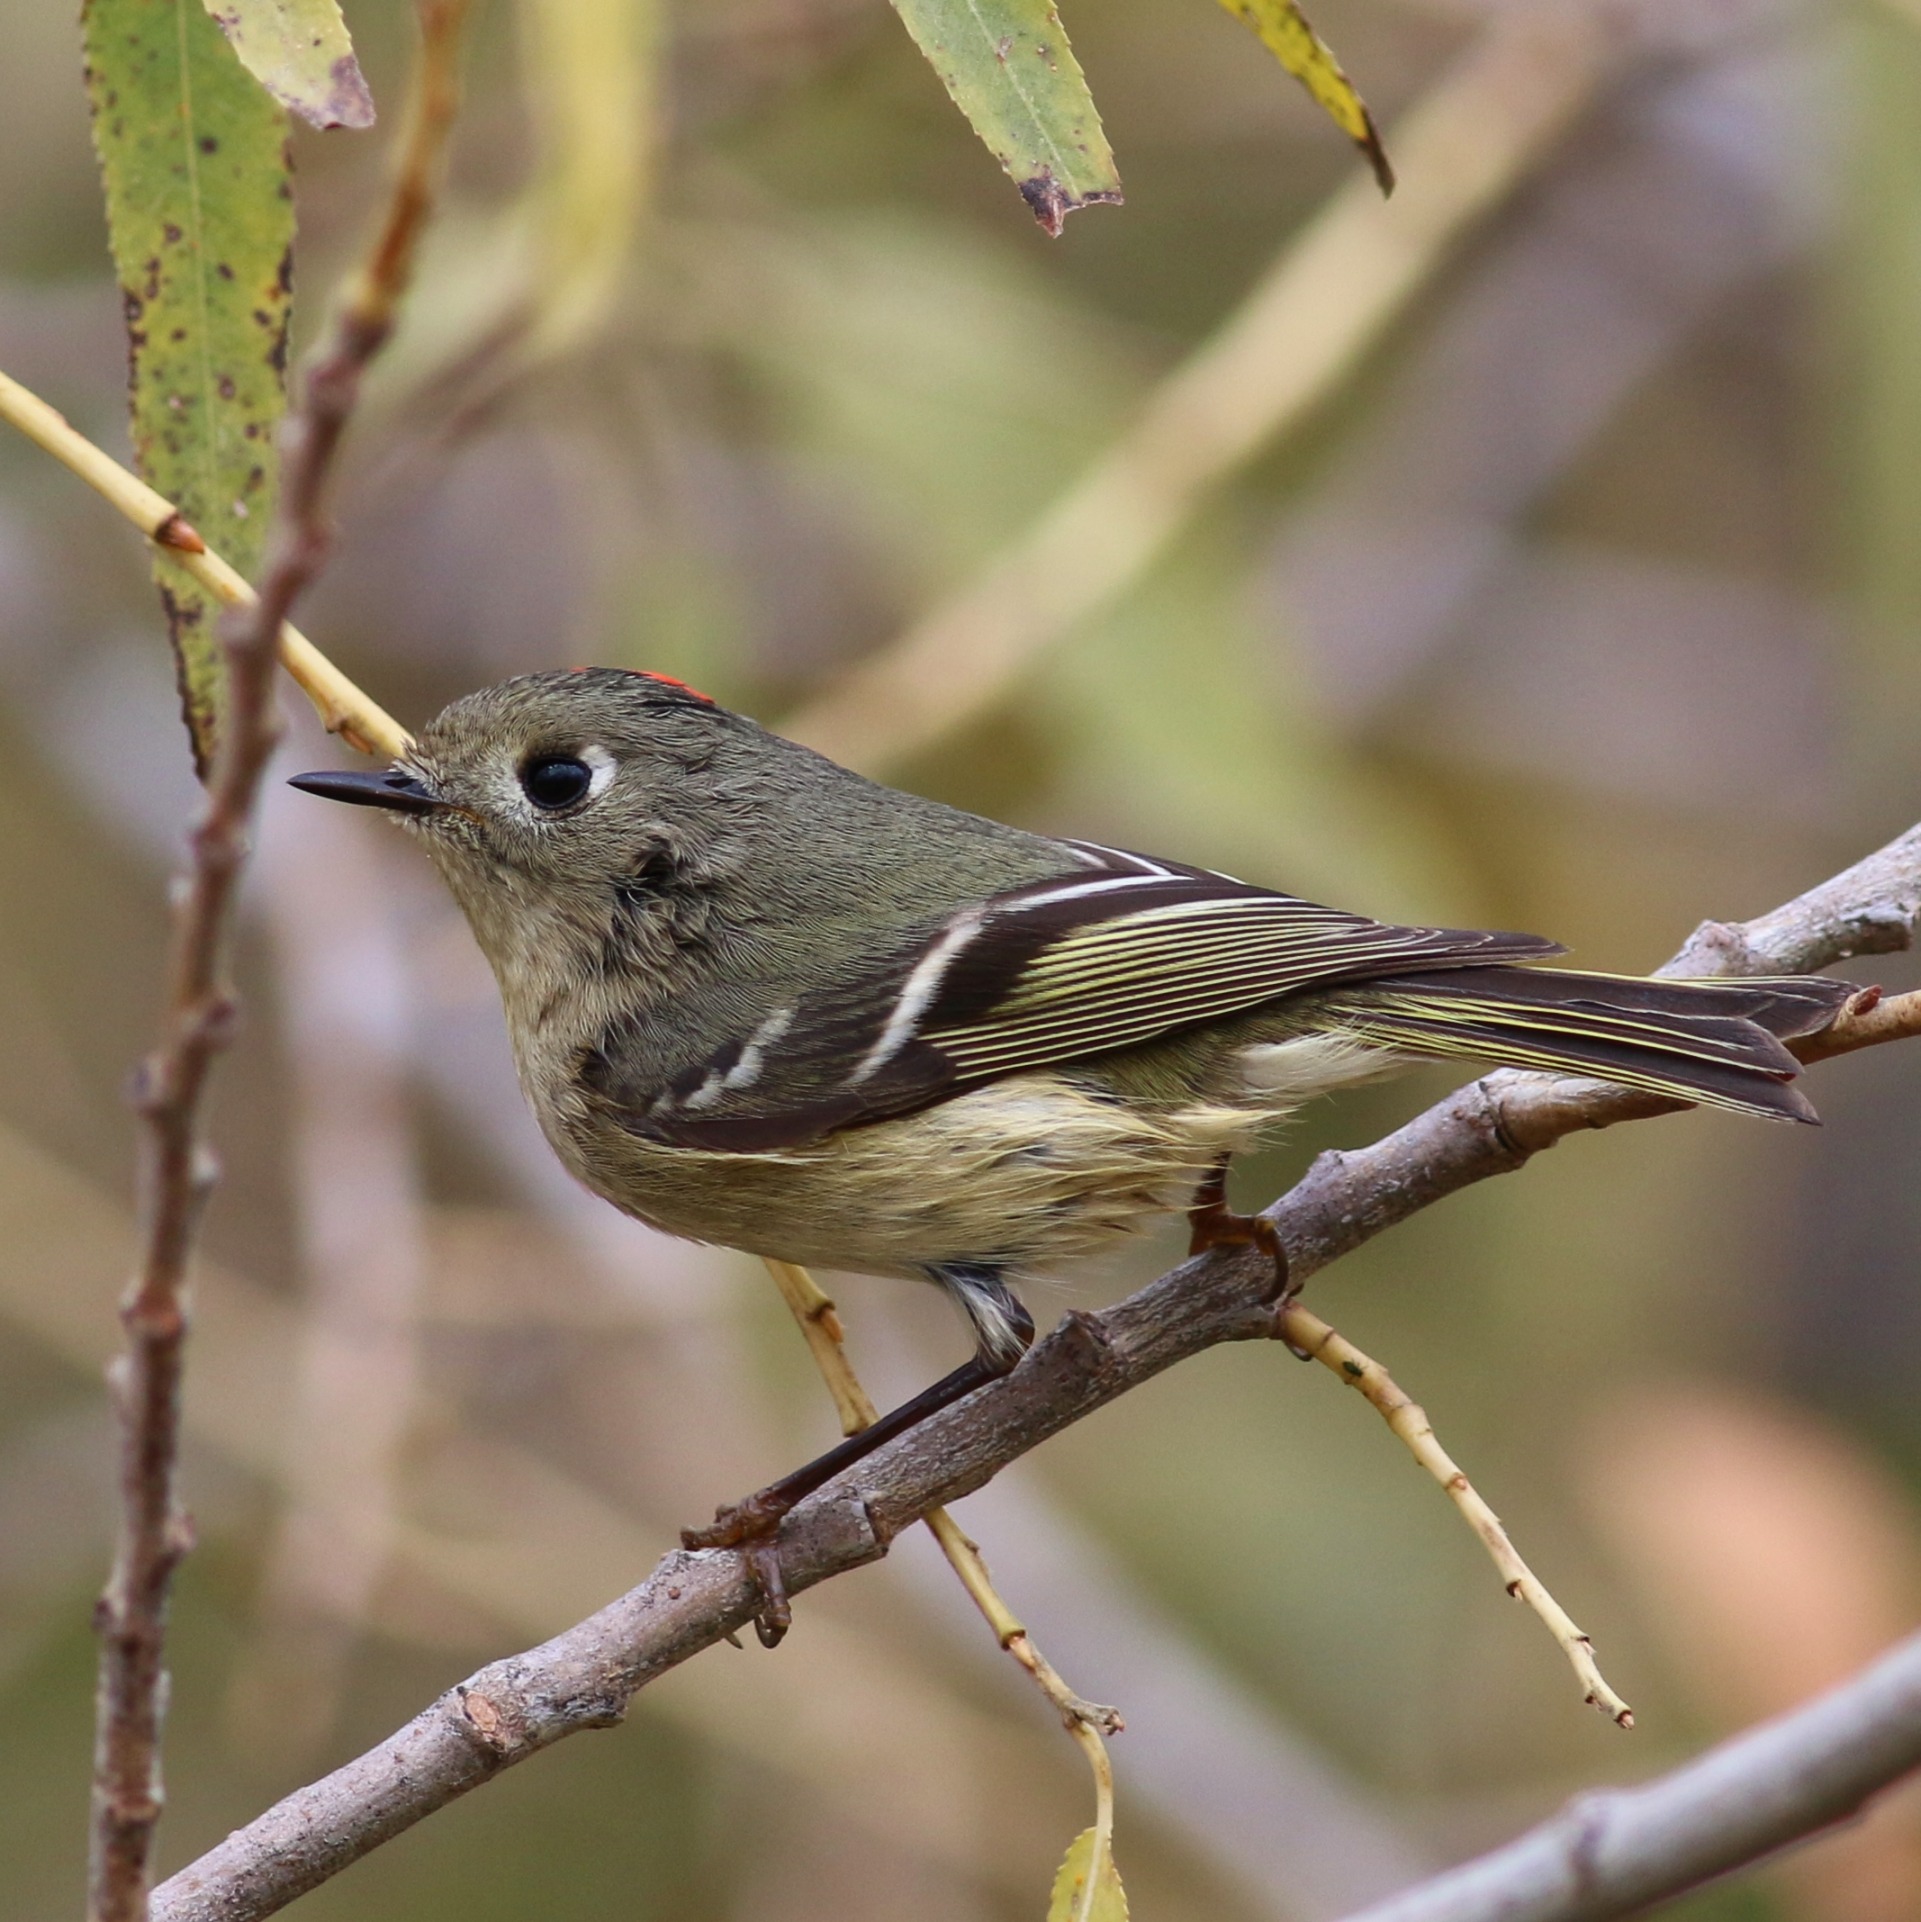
{"points": [[395, 789]]}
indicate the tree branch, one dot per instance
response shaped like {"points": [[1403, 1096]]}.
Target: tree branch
{"points": [[1613, 1851], [177, 1175], [585, 1677], [178, 1170]]}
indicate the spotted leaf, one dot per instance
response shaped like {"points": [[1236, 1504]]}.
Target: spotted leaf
{"points": [[200, 218]]}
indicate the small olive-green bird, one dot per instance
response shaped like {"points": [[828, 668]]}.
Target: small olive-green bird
{"points": [[756, 999]]}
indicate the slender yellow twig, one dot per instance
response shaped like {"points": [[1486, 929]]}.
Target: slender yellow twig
{"points": [[1313, 1337], [813, 1308], [1087, 1722], [344, 708]]}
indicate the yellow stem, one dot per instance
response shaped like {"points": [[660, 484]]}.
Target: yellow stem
{"points": [[820, 1326], [1097, 1857], [344, 708], [1312, 1336]]}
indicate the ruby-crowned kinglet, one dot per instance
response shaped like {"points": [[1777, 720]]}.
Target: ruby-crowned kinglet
{"points": [[756, 999]]}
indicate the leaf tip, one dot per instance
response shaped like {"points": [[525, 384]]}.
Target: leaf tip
{"points": [[1370, 144], [1051, 203], [347, 102]]}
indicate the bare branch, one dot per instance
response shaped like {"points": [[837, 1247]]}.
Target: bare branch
{"points": [[1613, 1851], [178, 1171], [177, 1175], [585, 1677]]}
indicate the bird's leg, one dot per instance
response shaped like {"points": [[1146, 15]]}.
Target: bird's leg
{"points": [[1004, 1331], [1213, 1224]]}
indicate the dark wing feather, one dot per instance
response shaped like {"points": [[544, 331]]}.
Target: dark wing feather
{"points": [[1113, 955], [1714, 1041]]}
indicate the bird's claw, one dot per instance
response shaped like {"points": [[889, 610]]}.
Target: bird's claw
{"points": [[1213, 1224], [753, 1527]]}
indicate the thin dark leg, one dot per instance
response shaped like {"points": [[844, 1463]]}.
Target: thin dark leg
{"points": [[1215, 1225], [753, 1524]]}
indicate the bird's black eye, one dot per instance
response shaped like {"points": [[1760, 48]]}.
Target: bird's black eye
{"points": [[556, 780]]}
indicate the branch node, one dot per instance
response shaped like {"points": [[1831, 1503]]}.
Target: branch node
{"points": [[1084, 1338], [1717, 947], [481, 1715], [182, 1537], [179, 533]]}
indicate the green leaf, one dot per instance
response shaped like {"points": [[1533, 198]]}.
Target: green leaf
{"points": [[200, 216], [1011, 72], [299, 51], [1071, 1901], [1285, 32]]}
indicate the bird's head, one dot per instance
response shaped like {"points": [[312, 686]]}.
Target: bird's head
{"points": [[548, 801]]}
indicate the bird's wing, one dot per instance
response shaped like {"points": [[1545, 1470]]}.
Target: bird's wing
{"points": [[1117, 953]]}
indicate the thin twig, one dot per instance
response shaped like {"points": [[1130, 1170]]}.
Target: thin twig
{"points": [[1301, 331], [1612, 1852], [820, 1324], [177, 1175], [1865, 1022], [178, 1170], [585, 1677], [819, 1321], [1309, 1334], [1102, 1852], [344, 709]]}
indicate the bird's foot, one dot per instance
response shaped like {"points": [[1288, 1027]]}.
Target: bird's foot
{"points": [[753, 1527], [1213, 1224]]}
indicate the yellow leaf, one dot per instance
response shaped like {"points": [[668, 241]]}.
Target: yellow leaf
{"points": [[299, 51], [1284, 30], [1072, 1901]]}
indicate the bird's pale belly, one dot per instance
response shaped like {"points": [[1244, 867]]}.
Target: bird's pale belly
{"points": [[1024, 1174]]}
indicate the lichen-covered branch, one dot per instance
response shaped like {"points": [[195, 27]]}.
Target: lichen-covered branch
{"points": [[585, 1677]]}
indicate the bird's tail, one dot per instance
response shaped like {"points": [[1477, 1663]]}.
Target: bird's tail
{"points": [[1712, 1041]]}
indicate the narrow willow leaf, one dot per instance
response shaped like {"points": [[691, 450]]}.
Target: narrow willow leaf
{"points": [[1011, 72], [1284, 30], [1070, 1901], [200, 216], [299, 51]]}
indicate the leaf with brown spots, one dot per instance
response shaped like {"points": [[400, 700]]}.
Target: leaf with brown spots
{"points": [[299, 51], [193, 156], [1011, 72]]}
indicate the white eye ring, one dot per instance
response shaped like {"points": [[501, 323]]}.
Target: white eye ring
{"points": [[601, 765]]}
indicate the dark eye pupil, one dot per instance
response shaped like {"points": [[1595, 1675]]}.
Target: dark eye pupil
{"points": [[556, 780]]}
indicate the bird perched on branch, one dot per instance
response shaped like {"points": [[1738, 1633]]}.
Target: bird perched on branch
{"points": [[758, 1000]]}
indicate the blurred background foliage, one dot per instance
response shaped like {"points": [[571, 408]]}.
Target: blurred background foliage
{"points": [[1589, 605]]}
